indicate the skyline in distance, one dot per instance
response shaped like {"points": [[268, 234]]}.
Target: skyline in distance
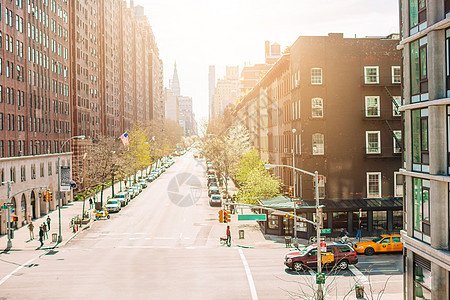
{"points": [[200, 33]]}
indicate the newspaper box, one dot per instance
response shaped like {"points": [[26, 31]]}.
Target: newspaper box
{"points": [[327, 257]]}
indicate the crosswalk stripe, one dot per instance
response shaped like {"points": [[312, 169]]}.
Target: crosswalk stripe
{"points": [[360, 276]]}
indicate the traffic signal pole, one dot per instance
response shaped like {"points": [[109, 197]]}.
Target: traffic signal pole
{"points": [[8, 227]]}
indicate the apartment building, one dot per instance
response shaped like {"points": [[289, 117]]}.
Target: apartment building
{"points": [[330, 105], [65, 71], [426, 114]]}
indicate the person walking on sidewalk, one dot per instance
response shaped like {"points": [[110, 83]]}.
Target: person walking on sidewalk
{"points": [[31, 227], [48, 222], [228, 236], [90, 203], [44, 227], [41, 235]]}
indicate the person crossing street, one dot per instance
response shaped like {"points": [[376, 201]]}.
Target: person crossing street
{"points": [[228, 236]]}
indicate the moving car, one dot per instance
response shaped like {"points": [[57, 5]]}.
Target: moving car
{"points": [[215, 200], [383, 243], [340, 255], [113, 205]]}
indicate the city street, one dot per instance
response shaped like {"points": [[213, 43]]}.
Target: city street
{"points": [[165, 245]]}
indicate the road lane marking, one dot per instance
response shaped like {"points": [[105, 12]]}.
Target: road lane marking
{"points": [[249, 275], [20, 267], [360, 276]]}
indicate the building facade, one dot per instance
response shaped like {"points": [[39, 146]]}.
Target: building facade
{"points": [[425, 27], [211, 86], [227, 90], [303, 113]]}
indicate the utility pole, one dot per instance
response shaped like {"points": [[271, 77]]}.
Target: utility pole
{"points": [[318, 222], [293, 179]]}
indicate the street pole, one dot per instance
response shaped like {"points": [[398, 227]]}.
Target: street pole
{"points": [[59, 201], [318, 221], [293, 179], [8, 223]]}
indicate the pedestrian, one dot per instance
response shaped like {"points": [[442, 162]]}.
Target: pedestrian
{"points": [[90, 203], [31, 227], [358, 234], [44, 227], [228, 236], [48, 222], [41, 235]]}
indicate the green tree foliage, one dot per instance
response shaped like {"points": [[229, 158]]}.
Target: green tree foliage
{"points": [[256, 182]]}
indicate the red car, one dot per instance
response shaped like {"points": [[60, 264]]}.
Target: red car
{"points": [[340, 255]]}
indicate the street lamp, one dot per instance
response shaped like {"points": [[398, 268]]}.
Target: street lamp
{"points": [[8, 221], [318, 218], [294, 180], [81, 137]]}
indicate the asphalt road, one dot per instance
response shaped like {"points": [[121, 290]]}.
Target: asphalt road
{"points": [[163, 245]]}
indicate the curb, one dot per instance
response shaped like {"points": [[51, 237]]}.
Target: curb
{"points": [[89, 225]]}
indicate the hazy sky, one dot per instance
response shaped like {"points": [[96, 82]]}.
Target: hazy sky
{"points": [[199, 33]]}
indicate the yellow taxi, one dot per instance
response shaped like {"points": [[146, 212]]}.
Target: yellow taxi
{"points": [[383, 243]]}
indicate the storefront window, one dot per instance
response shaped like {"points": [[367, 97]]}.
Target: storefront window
{"points": [[397, 220], [302, 226], [421, 211], [380, 220], [420, 143], [339, 221], [273, 222]]}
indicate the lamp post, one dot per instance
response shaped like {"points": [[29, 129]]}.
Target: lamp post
{"points": [[318, 220], [8, 221], [81, 137], [294, 180]]}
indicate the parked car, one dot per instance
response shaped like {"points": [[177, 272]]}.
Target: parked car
{"points": [[124, 196], [340, 255], [383, 243], [213, 191], [212, 179], [113, 205], [150, 178], [215, 200], [131, 192], [213, 183], [138, 187], [143, 183]]}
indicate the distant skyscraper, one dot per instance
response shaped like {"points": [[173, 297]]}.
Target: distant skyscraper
{"points": [[227, 90], [175, 83], [212, 85]]}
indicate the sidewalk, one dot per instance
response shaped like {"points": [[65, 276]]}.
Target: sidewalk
{"points": [[22, 242]]}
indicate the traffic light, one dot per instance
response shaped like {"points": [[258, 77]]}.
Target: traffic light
{"points": [[49, 196], [221, 216], [291, 192], [227, 216], [15, 218]]}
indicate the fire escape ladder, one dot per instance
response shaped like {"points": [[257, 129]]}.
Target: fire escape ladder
{"points": [[392, 98], [397, 141]]}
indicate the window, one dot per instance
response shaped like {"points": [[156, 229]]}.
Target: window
{"points": [[42, 169], [396, 74], [397, 141], [340, 220], [417, 16], [317, 107], [419, 126], [49, 168], [316, 76], [398, 184], [322, 180], [12, 174], [318, 144], [33, 171], [396, 103], [422, 277], [373, 142], [371, 75], [22, 174], [397, 223], [421, 194], [273, 222], [373, 184], [419, 76], [380, 222], [372, 106]]}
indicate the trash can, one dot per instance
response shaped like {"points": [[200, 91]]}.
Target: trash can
{"points": [[359, 290], [241, 234], [287, 240], [54, 237]]}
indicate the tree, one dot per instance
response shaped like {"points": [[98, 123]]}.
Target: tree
{"points": [[137, 154], [255, 181]]}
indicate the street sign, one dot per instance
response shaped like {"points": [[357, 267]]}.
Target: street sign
{"points": [[326, 230], [4, 207], [261, 217], [320, 278], [323, 247]]}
